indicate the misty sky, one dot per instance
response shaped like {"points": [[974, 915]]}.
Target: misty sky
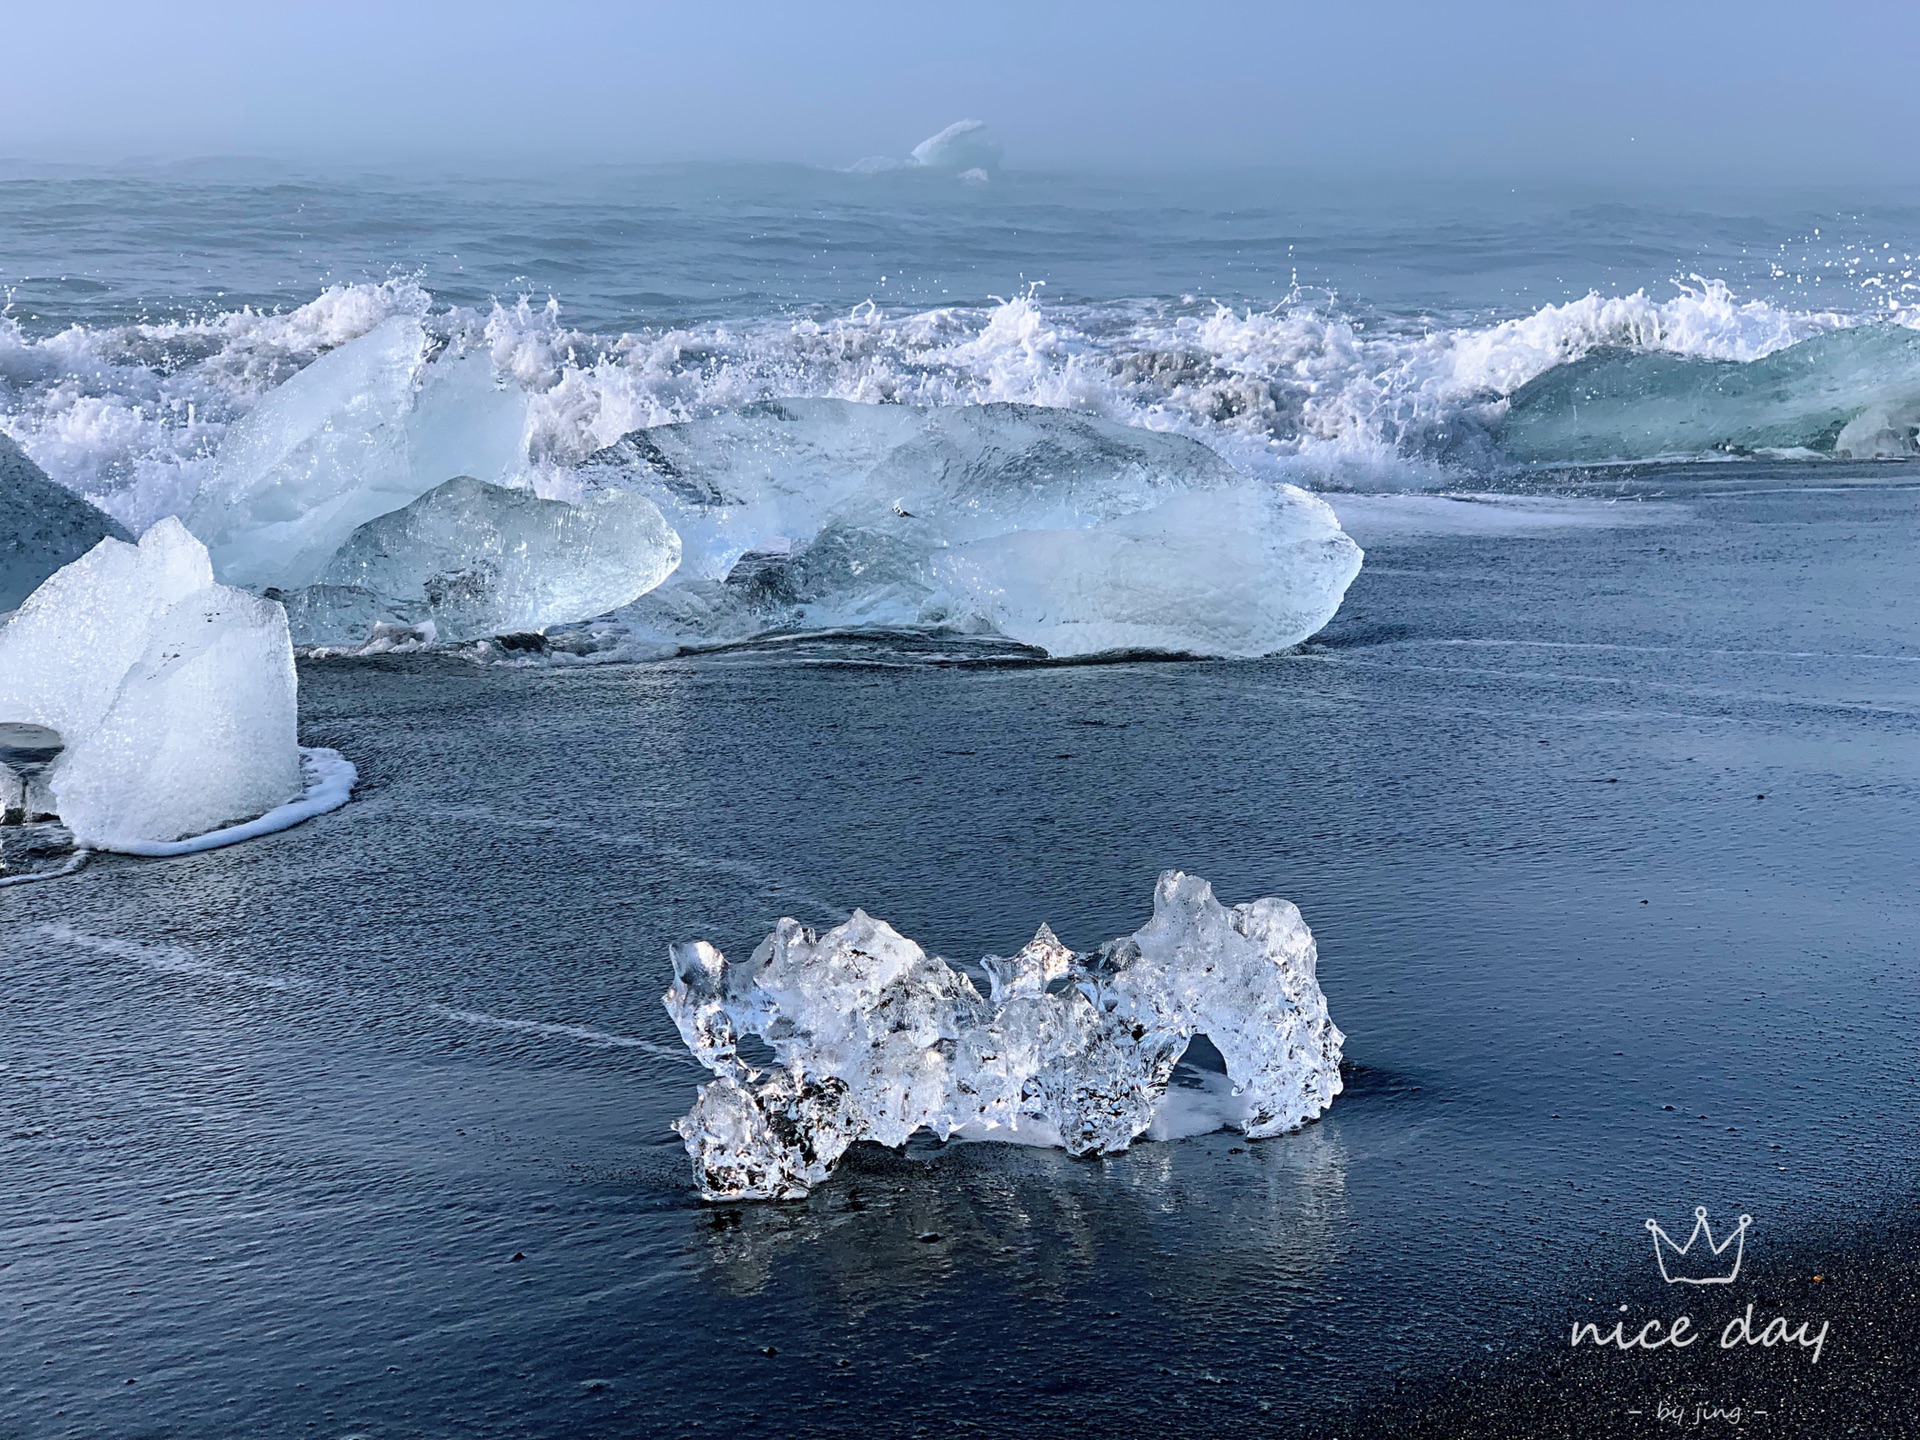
{"points": [[1675, 90]]}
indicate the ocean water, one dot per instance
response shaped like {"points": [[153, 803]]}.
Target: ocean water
{"points": [[1601, 794], [1347, 336]]}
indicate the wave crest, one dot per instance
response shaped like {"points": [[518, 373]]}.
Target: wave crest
{"points": [[1312, 390]]}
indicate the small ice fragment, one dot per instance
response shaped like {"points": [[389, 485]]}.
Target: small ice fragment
{"points": [[873, 1039]]}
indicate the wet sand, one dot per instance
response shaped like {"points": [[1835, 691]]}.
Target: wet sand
{"points": [[1862, 1285]]}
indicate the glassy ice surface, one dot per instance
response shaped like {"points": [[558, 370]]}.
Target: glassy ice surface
{"points": [[361, 431], [1851, 393], [310, 1096], [876, 1040], [1061, 531], [475, 559], [318, 455], [173, 697]]}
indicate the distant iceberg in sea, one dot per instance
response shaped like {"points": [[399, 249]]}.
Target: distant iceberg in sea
{"points": [[967, 149]]}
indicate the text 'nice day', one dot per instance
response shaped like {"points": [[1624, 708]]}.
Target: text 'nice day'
{"points": [[1656, 1334]]}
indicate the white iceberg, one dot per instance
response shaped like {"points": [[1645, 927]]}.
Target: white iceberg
{"points": [[966, 148], [478, 560], [1057, 529], [963, 145], [173, 696], [873, 1039], [362, 431]]}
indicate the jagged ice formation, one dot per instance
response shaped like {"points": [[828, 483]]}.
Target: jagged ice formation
{"points": [[874, 1039]]}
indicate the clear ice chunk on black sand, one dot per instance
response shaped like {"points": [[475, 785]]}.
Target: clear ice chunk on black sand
{"points": [[874, 1039]]}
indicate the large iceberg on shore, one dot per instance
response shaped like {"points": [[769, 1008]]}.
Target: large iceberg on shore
{"points": [[1057, 529], [362, 431], [873, 1039], [173, 696], [42, 525], [476, 560]]}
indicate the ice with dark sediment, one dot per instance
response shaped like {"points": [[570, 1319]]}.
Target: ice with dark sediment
{"points": [[42, 525], [171, 697], [474, 560], [874, 1039], [1058, 530]]}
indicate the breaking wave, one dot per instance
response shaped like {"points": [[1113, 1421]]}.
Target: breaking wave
{"points": [[1309, 391]]}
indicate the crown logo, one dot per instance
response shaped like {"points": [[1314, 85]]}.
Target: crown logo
{"points": [[1708, 1264]]}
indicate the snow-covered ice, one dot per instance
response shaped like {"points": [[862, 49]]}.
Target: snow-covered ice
{"points": [[477, 559], [173, 696], [873, 1039], [1058, 529]]}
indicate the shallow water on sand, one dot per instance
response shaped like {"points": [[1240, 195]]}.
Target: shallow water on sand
{"points": [[361, 1129]]}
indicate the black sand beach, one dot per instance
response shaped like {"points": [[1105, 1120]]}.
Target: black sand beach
{"points": [[1606, 834]]}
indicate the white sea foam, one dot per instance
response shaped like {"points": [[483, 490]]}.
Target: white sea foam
{"points": [[166, 959], [586, 1034], [329, 778], [132, 416]]}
